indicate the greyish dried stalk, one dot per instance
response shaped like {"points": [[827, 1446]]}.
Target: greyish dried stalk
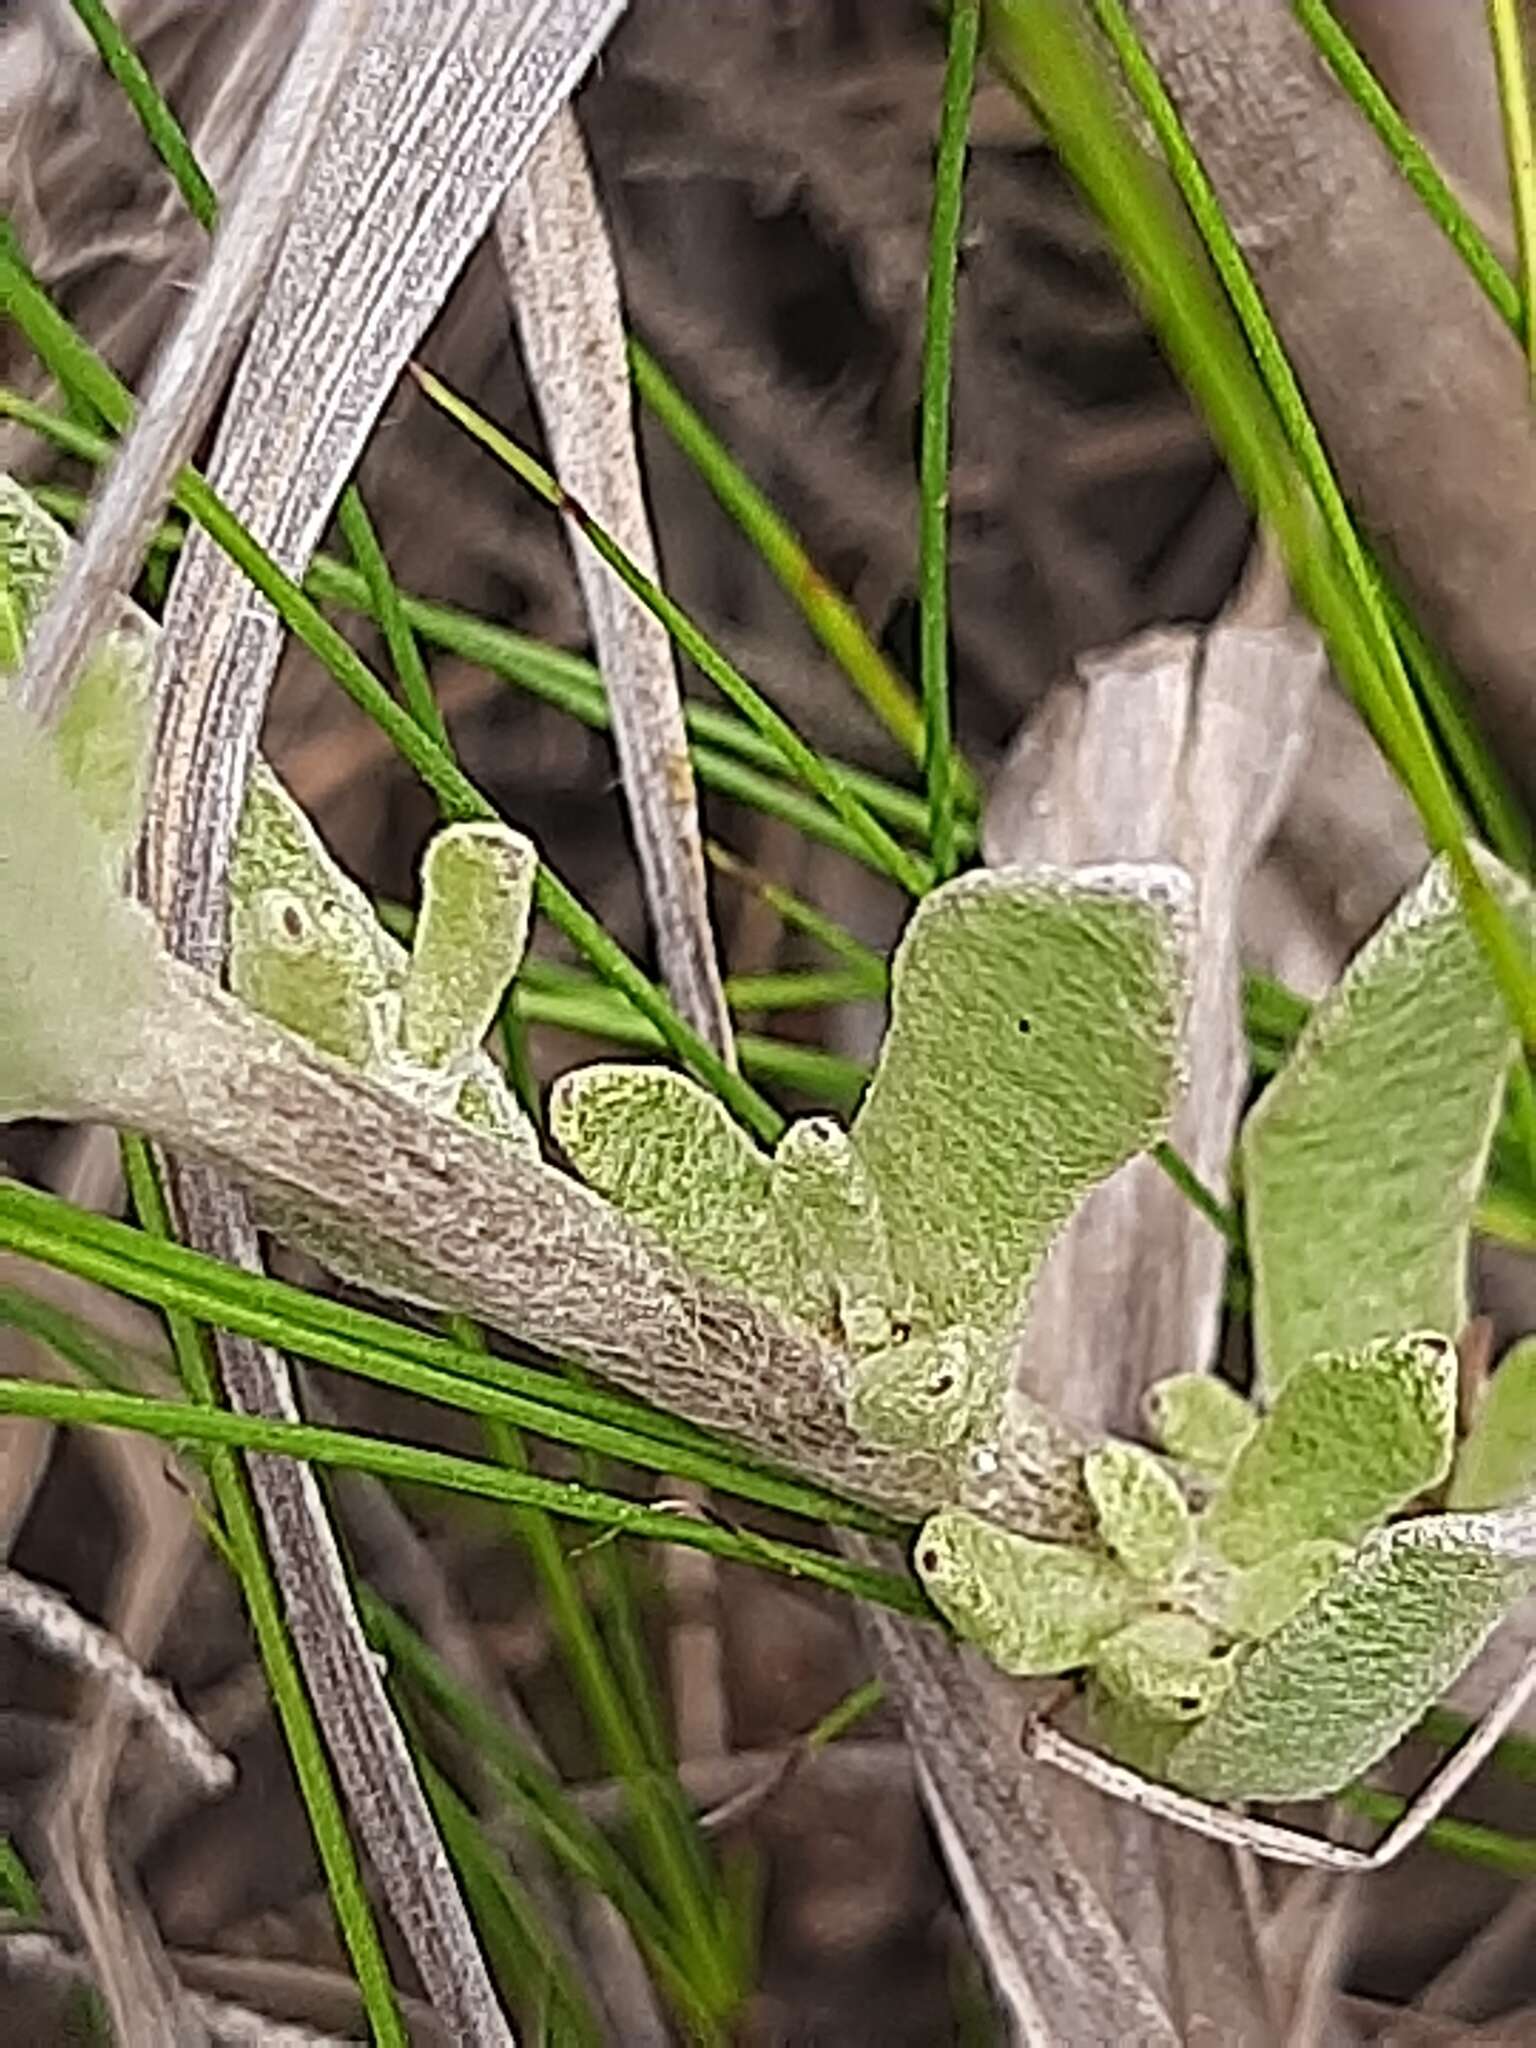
{"points": [[195, 364], [429, 124], [559, 263], [1188, 753]]}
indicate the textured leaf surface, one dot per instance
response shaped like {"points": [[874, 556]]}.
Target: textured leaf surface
{"points": [[827, 1208], [1143, 1517], [476, 891], [102, 731], [1350, 1440], [1365, 1156], [929, 1393], [1035, 1608], [1200, 1421], [305, 948], [1033, 1047], [59, 910], [1497, 1463], [1348, 1675], [1168, 1665], [1261, 1600], [673, 1158]]}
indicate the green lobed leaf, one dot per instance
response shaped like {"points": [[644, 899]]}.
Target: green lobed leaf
{"points": [[1035, 1608], [826, 1207], [1259, 1601], [1352, 1438], [1200, 1421], [1496, 1466], [1363, 1160], [1170, 1666], [674, 1159], [305, 948], [931, 1393], [1143, 1517], [1033, 1048], [102, 733], [1348, 1675]]}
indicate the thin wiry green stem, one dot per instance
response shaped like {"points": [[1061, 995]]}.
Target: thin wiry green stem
{"points": [[1510, 1855], [536, 1799], [1509, 59], [801, 916], [1413, 160], [802, 760], [825, 610], [165, 132], [933, 465], [241, 1532], [196, 1427], [388, 608], [721, 743]]}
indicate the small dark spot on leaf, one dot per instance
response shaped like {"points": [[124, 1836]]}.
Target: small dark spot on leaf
{"points": [[929, 1560], [944, 1383], [293, 924], [1024, 1027]]}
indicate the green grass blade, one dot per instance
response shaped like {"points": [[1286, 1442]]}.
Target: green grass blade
{"points": [[242, 1540], [826, 611], [933, 462], [165, 132], [197, 1427], [1510, 1855], [536, 1799], [1509, 63], [802, 760], [801, 916], [535, 1978], [1262, 422], [1414, 161], [388, 608], [18, 1891]]}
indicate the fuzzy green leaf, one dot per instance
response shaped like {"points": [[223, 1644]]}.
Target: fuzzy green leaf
{"points": [[60, 907], [476, 892], [1350, 1673], [1033, 1048], [1261, 1600], [1365, 1156], [935, 1393], [1497, 1463], [1171, 1666], [1200, 1421], [305, 948], [1143, 1517], [102, 732], [827, 1208], [1035, 1608], [674, 1159], [1351, 1439]]}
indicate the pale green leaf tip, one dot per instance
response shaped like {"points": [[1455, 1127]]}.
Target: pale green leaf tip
{"points": [[1035, 1608], [1496, 1466], [1200, 1421], [1363, 1159], [476, 894], [1143, 1517], [937, 1392], [79, 964], [1352, 1438]]}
